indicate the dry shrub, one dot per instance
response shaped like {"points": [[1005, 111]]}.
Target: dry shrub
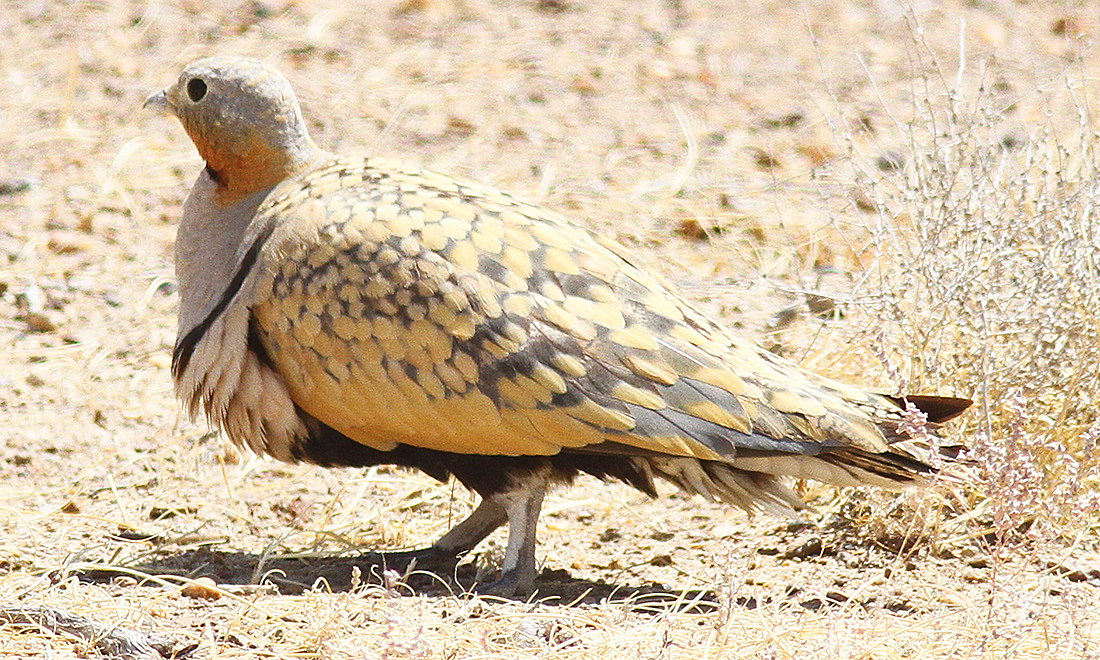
{"points": [[982, 276]]}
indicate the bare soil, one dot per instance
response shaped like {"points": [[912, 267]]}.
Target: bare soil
{"points": [[709, 137]]}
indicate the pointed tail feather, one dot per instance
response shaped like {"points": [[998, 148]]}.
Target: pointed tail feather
{"points": [[939, 409]]}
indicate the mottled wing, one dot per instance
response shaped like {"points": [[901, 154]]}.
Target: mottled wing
{"points": [[405, 307]]}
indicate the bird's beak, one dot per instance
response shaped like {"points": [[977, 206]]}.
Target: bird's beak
{"points": [[159, 102]]}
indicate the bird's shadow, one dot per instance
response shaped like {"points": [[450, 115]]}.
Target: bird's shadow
{"points": [[390, 570]]}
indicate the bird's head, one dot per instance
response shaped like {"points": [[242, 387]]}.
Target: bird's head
{"points": [[243, 118]]}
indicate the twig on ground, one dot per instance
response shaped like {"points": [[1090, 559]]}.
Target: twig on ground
{"points": [[111, 641]]}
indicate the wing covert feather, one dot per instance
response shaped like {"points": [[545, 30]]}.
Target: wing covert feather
{"points": [[404, 307]]}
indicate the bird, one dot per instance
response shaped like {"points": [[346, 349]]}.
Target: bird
{"points": [[359, 311]]}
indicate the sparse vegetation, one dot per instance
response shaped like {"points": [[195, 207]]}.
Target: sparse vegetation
{"points": [[982, 278]]}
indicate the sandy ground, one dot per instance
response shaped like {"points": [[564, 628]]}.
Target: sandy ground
{"points": [[713, 138]]}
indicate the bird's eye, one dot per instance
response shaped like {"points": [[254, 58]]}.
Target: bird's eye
{"points": [[196, 89]]}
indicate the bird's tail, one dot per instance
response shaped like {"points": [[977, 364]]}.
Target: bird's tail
{"points": [[936, 409], [754, 480]]}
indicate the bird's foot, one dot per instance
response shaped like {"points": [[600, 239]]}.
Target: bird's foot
{"points": [[515, 583]]}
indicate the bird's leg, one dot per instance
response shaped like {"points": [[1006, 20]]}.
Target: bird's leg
{"points": [[442, 556], [517, 573], [465, 535], [444, 553]]}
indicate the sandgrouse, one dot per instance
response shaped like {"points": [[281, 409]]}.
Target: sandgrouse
{"points": [[357, 311]]}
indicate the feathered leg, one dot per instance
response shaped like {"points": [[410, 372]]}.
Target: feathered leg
{"points": [[522, 506], [462, 538]]}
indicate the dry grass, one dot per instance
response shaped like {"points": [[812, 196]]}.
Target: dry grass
{"points": [[919, 215], [377, 623], [981, 274]]}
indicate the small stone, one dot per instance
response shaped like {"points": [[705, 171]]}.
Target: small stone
{"points": [[661, 560], [203, 588], [765, 160], [610, 534], [690, 228], [38, 322]]}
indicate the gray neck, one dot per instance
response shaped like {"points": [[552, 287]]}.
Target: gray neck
{"points": [[209, 246]]}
